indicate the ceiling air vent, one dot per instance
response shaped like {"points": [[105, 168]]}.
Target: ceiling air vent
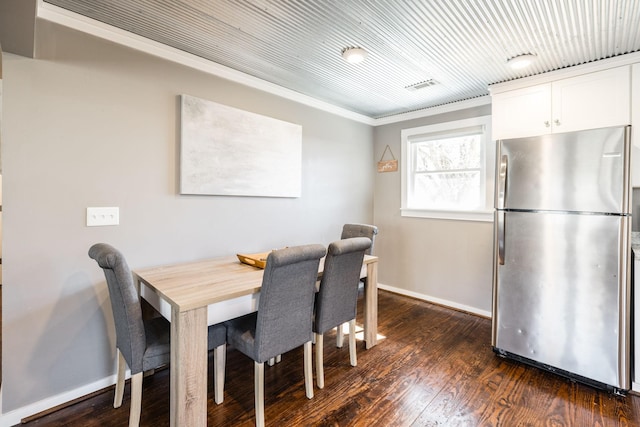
{"points": [[421, 85]]}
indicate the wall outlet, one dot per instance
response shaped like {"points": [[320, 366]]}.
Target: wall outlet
{"points": [[103, 216]]}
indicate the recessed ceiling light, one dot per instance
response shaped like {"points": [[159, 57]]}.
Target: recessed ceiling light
{"points": [[354, 55], [521, 61]]}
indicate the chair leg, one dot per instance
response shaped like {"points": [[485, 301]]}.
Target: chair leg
{"points": [[352, 342], [121, 366], [308, 369], [319, 360], [339, 336], [219, 362], [259, 392], [136, 399]]}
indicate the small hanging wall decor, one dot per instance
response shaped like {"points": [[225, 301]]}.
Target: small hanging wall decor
{"points": [[387, 165]]}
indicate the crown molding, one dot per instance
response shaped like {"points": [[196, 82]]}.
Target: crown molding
{"points": [[432, 111]]}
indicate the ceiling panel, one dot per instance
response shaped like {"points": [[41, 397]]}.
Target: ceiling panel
{"points": [[461, 45]]}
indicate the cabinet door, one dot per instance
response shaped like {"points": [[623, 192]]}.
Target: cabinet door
{"points": [[521, 112], [590, 101]]}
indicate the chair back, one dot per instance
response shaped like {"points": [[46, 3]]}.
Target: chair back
{"points": [[125, 304], [338, 295], [360, 230], [285, 309]]}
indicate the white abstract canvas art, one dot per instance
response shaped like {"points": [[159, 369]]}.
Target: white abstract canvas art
{"points": [[227, 151]]}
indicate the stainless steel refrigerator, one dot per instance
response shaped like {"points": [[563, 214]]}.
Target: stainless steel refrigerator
{"points": [[561, 280]]}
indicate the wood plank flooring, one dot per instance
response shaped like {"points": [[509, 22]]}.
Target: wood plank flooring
{"points": [[435, 367]]}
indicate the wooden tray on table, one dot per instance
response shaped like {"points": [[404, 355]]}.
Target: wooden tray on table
{"points": [[257, 260]]}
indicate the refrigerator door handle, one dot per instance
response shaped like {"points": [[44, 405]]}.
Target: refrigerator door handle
{"points": [[500, 232], [502, 181]]}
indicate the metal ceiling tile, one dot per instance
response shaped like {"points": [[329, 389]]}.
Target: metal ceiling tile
{"points": [[461, 44]]}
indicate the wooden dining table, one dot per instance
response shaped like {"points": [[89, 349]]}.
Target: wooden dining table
{"points": [[190, 288]]}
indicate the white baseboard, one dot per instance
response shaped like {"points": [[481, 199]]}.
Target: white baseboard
{"points": [[15, 417], [439, 301]]}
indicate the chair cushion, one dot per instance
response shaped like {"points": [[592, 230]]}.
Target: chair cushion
{"points": [[158, 350], [217, 336], [241, 333]]}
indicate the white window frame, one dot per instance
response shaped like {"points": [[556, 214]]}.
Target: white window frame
{"points": [[408, 136]]}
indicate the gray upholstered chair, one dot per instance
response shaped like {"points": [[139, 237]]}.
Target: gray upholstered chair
{"points": [[338, 295], [143, 344], [360, 230], [284, 316]]}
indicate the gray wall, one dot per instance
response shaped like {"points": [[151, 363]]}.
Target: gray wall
{"points": [[444, 261], [95, 124], [17, 24]]}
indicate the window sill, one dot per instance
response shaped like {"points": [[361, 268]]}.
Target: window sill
{"points": [[482, 216]]}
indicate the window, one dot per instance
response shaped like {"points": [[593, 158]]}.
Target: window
{"points": [[448, 170]]}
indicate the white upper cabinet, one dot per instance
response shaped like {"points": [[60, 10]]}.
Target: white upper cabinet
{"points": [[592, 101], [521, 112], [588, 101]]}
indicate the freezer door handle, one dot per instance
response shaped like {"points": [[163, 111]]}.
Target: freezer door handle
{"points": [[500, 236], [502, 181]]}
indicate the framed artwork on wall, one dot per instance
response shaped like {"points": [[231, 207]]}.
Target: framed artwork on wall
{"points": [[230, 152]]}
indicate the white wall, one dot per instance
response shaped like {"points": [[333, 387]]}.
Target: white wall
{"points": [[95, 124], [443, 261]]}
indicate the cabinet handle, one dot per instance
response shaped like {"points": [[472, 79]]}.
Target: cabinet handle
{"points": [[546, 123], [557, 122]]}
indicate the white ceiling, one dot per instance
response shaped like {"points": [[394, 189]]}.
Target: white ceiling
{"points": [[462, 45]]}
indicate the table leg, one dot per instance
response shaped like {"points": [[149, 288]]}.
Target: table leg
{"points": [[371, 305], [188, 371]]}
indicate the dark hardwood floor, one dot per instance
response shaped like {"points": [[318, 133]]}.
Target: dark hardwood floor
{"points": [[434, 368]]}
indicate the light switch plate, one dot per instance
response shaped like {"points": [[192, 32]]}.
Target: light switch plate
{"points": [[103, 216]]}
